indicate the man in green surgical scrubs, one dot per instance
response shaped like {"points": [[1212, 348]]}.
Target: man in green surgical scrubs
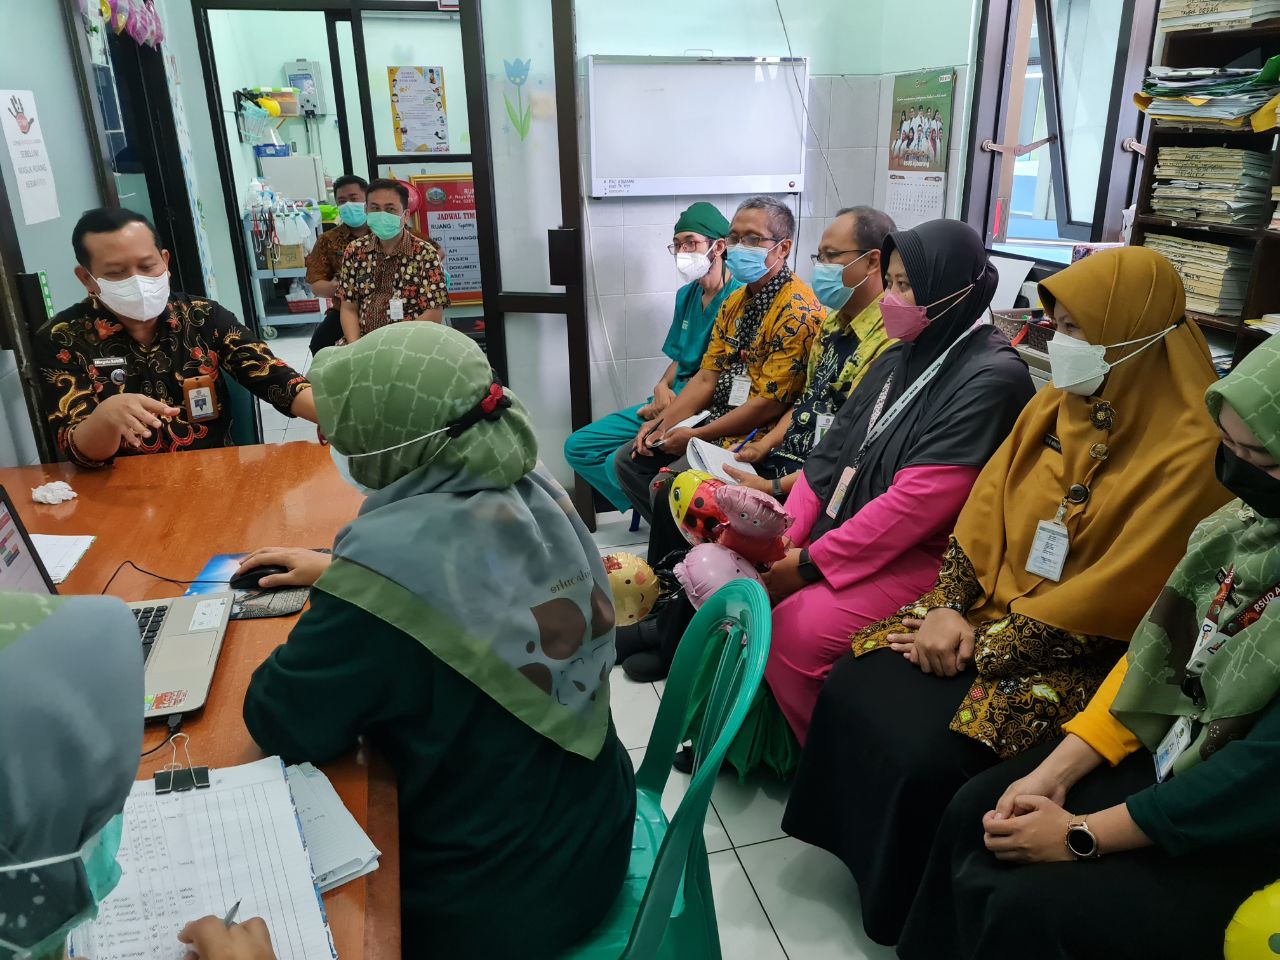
{"points": [[698, 248]]}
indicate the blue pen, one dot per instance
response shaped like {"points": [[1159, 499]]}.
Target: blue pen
{"points": [[750, 436]]}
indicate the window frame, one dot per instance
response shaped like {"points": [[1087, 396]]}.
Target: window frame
{"points": [[998, 50]]}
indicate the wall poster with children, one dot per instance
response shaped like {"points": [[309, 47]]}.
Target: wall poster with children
{"points": [[447, 215], [918, 137], [418, 110]]}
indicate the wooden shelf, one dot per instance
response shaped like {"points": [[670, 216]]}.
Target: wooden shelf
{"points": [[1225, 324], [1152, 220]]}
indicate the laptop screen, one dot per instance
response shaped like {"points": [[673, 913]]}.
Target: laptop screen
{"points": [[20, 570]]}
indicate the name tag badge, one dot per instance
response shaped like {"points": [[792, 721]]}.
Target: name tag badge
{"points": [[1171, 747], [842, 489], [395, 309], [115, 368], [1049, 550], [200, 398], [740, 392], [825, 420]]}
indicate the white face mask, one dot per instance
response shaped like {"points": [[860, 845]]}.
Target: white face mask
{"points": [[1079, 367], [692, 266], [138, 297], [343, 462]]}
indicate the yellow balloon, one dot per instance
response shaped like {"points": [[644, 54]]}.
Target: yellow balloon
{"points": [[1254, 932], [269, 105], [634, 585]]}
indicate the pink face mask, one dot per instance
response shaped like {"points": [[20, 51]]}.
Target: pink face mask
{"points": [[905, 321]]}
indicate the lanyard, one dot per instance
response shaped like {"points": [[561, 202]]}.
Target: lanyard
{"points": [[878, 424], [1212, 638]]}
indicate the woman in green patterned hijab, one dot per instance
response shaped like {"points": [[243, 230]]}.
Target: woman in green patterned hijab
{"points": [[465, 627], [1178, 753]]}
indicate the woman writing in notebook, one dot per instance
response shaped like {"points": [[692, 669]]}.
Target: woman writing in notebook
{"points": [[1064, 542], [1180, 856], [880, 492], [464, 628], [71, 682]]}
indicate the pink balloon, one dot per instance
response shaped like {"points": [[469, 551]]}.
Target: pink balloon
{"points": [[754, 524], [708, 567]]}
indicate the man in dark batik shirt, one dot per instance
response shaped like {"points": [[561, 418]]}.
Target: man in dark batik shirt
{"points": [[137, 368]]}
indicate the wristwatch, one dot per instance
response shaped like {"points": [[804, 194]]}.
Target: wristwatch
{"points": [[807, 569], [777, 488], [959, 608], [1081, 843]]}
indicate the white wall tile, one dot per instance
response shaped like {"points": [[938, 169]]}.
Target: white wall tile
{"points": [[813, 201], [604, 260], [647, 266], [658, 211], [855, 112], [614, 314], [642, 375], [818, 129], [605, 211], [608, 388], [807, 236], [648, 319], [879, 173], [854, 173]]}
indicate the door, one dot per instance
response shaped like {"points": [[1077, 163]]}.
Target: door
{"points": [[44, 68], [525, 137]]}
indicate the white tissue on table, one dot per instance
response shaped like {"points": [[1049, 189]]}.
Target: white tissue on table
{"points": [[56, 492]]}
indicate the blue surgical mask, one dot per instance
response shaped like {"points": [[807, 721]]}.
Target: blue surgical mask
{"points": [[828, 283], [353, 214], [98, 860], [343, 462], [447, 281], [746, 263], [386, 226]]}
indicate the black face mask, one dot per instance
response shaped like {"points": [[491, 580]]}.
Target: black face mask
{"points": [[1255, 487]]}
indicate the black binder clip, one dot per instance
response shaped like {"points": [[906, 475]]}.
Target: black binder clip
{"points": [[173, 777]]}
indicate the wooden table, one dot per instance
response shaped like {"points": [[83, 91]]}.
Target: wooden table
{"points": [[169, 513]]}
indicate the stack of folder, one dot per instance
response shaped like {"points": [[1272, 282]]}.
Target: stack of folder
{"points": [[1215, 275], [1216, 14], [1234, 98], [1212, 185]]}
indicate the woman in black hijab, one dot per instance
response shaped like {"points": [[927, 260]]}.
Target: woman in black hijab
{"points": [[883, 489]]}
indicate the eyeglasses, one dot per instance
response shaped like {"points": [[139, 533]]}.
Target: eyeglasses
{"points": [[750, 241], [687, 246], [834, 254]]}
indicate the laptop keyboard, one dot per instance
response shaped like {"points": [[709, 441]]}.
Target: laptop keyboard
{"points": [[150, 620]]}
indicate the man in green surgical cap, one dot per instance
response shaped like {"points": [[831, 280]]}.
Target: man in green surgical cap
{"points": [[698, 249]]}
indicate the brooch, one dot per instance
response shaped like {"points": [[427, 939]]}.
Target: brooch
{"points": [[1102, 415]]}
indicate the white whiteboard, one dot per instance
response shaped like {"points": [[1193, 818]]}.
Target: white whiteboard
{"points": [[669, 126]]}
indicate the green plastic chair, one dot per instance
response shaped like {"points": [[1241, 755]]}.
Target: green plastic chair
{"points": [[665, 908]]}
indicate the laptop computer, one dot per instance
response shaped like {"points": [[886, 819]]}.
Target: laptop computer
{"points": [[180, 637]]}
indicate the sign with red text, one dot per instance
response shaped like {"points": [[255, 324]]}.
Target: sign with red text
{"points": [[24, 134], [447, 214]]}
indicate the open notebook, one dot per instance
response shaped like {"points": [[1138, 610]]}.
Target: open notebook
{"points": [[712, 459], [188, 855], [340, 849]]}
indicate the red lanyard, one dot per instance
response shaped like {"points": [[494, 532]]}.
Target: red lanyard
{"points": [[1224, 591], [1252, 613]]}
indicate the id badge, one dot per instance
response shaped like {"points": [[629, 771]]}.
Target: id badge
{"points": [[1049, 550], [825, 420], [1171, 747], [842, 489], [740, 392], [115, 368], [395, 309], [200, 398]]}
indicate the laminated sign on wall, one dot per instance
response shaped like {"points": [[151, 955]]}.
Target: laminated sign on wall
{"points": [[447, 214], [418, 109], [31, 170], [919, 137]]}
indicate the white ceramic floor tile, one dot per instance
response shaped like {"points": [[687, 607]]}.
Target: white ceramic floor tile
{"points": [[634, 707], [811, 899], [272, 419], [613, 532], [677, 783], [273, 436], [300, 429], [745, 933], [660, 687], [751, 812]]}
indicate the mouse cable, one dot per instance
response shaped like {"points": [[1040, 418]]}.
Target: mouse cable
{"points": [[175, 724], [130, 563]]}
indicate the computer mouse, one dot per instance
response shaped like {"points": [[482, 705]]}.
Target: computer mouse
{"points": [[249, 579]]}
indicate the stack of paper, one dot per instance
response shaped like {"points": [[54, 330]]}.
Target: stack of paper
{"points": [[1215, 14], [712, 459], [1217, 185], [1267, 323], [1231, 97], [339, 849], [188, 855], [60, 554], [1215, 275]]}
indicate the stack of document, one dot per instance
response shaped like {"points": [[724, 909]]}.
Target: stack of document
{"points": [[1267, 323], [712, 459], [1215, 185], [1215, 14], [1231, 97], [340, 850], [1215, 275]]}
